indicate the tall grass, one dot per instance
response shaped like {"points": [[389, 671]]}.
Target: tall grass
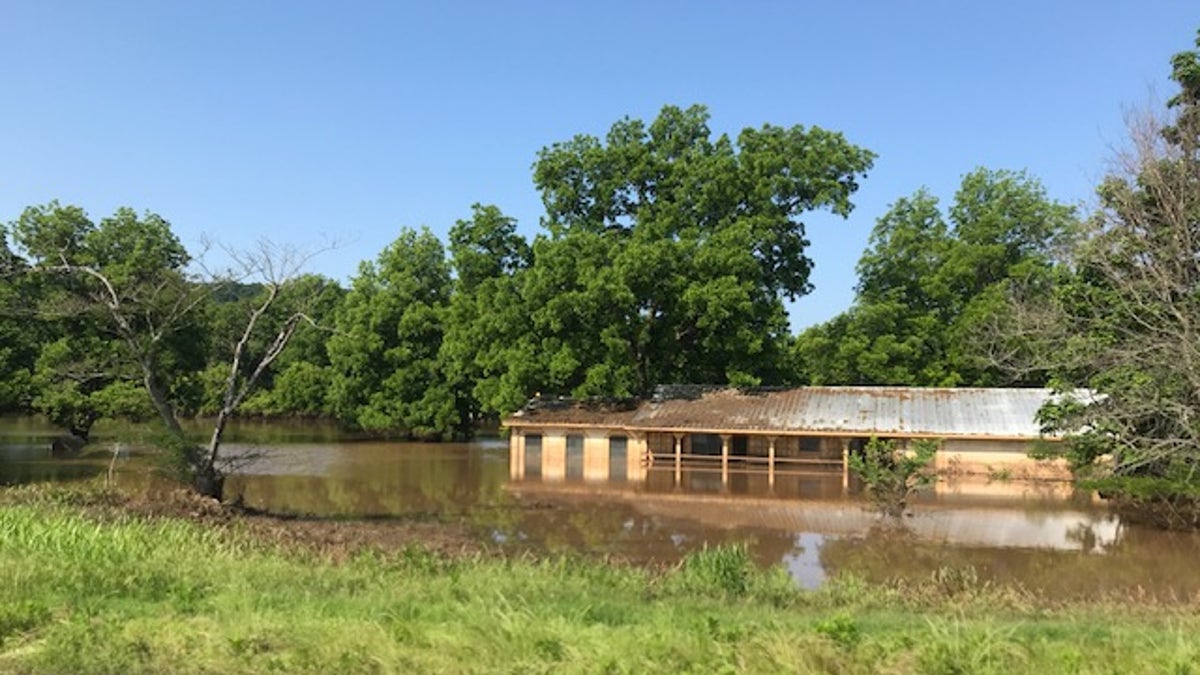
{"points": [[132, 595]]}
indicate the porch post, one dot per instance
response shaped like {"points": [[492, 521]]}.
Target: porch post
{"points": [[678, 458], [771, 461], [725, 459], [845, 463]]}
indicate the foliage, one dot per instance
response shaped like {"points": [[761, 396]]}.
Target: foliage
{"points": [[1122, 322], [387, 376], [486, 347], [123, 307], [19, 336], [303, 360], [933, 285], [667, 257], [116, 296], [890, 475]]}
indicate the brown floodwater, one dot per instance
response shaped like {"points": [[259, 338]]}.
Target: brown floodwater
{"points": [[1046, 537]]}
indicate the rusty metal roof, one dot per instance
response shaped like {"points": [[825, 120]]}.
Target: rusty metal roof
{"points": [[883, 411]]}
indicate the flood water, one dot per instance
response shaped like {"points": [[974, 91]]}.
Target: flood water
{"points": [[1046, 537]]}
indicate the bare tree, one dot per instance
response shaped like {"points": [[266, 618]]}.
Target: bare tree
{"points": [[274, 267], [1123, 319]]}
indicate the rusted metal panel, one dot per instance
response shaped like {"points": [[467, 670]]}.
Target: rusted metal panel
{"points": [[907, 411], [880, 411]]}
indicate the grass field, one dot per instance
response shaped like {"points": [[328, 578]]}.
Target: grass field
{"points": [[86, 587]]}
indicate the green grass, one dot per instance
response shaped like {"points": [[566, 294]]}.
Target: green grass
{"points": [[124, 594]]}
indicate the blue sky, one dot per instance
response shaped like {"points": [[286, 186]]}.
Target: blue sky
{"points": [[304, 122]]}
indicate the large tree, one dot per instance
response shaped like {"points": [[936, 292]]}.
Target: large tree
{"points": [[931, 283], [669, 254], [487, 335], [388, 377]]}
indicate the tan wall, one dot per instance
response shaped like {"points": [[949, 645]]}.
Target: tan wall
{"points": [[637, 454], [810, 447], [661, 443], [595, 455], [997, 459], [554, 455], [516, 457]]}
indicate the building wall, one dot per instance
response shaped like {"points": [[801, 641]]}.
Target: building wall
{"points": [[554, 454], [966, 457], [997, 459], [596, 453]]}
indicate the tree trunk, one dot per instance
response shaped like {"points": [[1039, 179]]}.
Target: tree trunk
{"points": [[209, 482], [67, 446]]}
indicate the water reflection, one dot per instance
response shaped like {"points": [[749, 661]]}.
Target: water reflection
{"points": [[1044, 536], [369, 479]]}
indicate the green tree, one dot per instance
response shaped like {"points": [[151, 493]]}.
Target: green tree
{"points": [[487, 321], [931, 288], [83, 378], [118, 295], [890, 475], [387, 373], [669, 254], [20, 333]]}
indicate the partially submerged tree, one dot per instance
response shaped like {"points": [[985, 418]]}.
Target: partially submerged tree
{"points": [[1125, 318], [127, 277], [276, 269], [892, 475], [388, 377]]}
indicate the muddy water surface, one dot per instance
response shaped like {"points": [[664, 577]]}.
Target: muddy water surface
{"points": [[1043, 536]]}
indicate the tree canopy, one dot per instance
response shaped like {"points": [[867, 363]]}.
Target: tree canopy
{"points": [[384, 353], [668, 255], [932, 284]]}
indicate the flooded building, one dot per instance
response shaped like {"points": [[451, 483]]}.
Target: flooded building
{"points": [[978, 431]]}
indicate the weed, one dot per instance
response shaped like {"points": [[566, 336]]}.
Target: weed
{"points": [[842, 629], [21, 617], [956, 647], [891, 475]]}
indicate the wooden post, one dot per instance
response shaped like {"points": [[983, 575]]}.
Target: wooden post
{"points": [[678, 459], [845, 463], [771, 461], [725, 459]]}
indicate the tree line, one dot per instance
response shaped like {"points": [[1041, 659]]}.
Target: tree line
{"points": [[666, 255]]}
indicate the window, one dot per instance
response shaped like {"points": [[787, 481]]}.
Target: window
{"points": [[706, 444], [533, 456], [739, 445], [574, 456], [618, 458]]}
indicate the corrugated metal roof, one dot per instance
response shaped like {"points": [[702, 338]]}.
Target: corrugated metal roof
{"points": [[883, 411]]}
